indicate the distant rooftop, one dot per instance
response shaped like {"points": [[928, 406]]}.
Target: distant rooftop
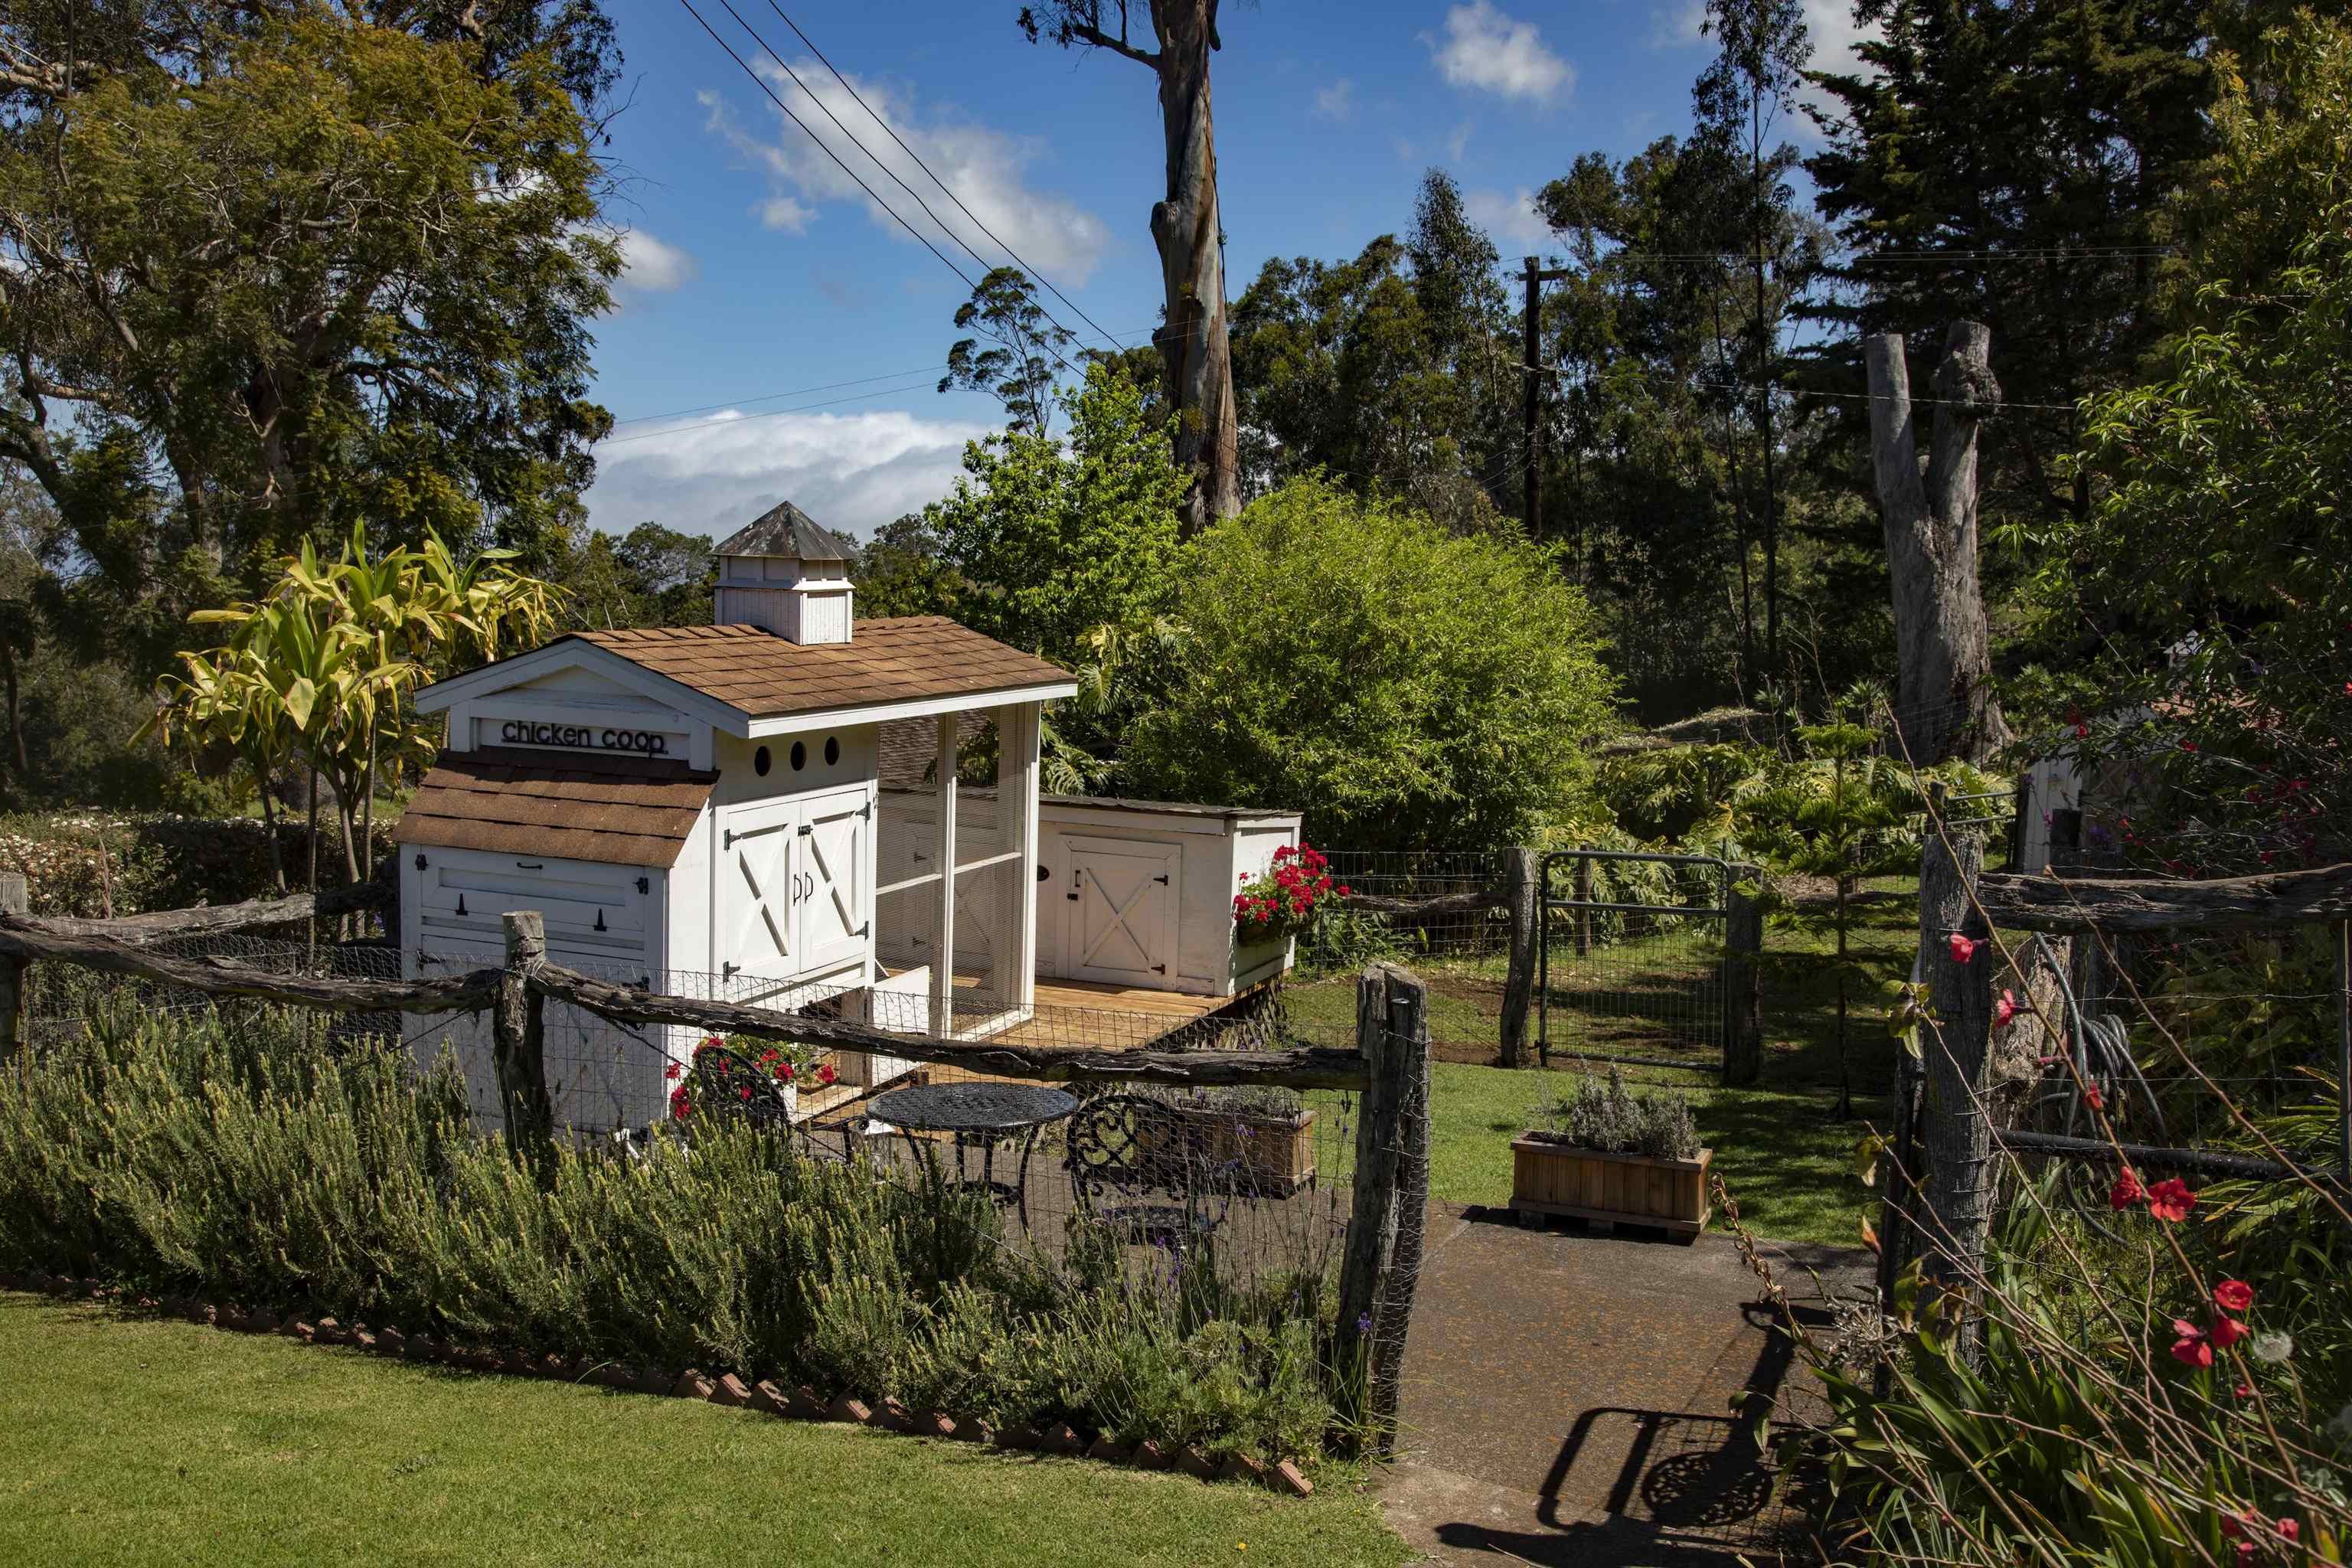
{"points": [[786, 531]]}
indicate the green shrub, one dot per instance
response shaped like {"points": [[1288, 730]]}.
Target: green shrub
{"points": [[1400, 684], [232, 1155], [89, 863]]}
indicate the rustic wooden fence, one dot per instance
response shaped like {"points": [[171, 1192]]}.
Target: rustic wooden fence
{"points": [[1516, 883], [1939, 1165], [1388, 1068]]}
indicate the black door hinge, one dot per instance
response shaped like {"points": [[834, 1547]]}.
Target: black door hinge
{"points": [[1161, 879]]}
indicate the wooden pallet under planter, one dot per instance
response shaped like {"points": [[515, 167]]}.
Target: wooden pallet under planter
{"points": [[1620, 1189]]}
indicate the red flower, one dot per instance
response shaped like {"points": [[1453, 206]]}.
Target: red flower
{"points": [[744, 1093], [824, 1075], [2094, 1098], [2190, 1347], [2126, 1190], [2188, 745], [1964, 949], [2170, 1200], [2227, 1331], [2244, 1391], [784, 1073], [680, 1106], [2005, 1009], [2288, 1529], [672, 1072], [1344, 889], [2233, 1296]]}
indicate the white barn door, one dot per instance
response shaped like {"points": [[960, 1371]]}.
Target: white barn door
{"points": [[759, 879], [836, 890]]}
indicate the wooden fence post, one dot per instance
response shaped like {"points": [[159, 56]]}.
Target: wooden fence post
{"points": [[1743, 1012], [519, 1046], [1522, 896], [1408, 1030], [16, 1038], [1381, 1261], [1956, 1114]]}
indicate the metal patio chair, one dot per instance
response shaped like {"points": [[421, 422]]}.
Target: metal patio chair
{"points": [[1141, 1168]]}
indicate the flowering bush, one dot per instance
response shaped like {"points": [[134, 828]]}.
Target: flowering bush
{"points": [[740, 1066], [1283, 899]]}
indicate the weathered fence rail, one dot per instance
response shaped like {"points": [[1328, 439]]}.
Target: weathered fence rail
{"points": [[1937, 1164]]}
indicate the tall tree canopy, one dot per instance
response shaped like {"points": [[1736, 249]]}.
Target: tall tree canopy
{"points": [[1395, 369], [270, 269], [2010, 162], [1187, 225]]}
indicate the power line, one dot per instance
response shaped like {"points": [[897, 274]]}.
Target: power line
{"points": [[813, 136], [1805, 392], [782, 65], [926, 168]]}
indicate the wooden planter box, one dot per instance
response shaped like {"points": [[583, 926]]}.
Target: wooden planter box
{"points": [[1623, 1189], [1272, 1156]]}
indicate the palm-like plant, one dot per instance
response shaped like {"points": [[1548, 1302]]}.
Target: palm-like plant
{"points": [[319, 670]]}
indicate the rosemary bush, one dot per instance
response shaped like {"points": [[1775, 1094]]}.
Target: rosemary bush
{"points": [[227, 1154]]}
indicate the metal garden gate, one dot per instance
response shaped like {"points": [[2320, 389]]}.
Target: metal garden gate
{"points": [[1631, 981]]}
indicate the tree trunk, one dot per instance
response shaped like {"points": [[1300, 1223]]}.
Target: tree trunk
{"points": [[1945, 706], [1189, 230], [1956, 1117]]}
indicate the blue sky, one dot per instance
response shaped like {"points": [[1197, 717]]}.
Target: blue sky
{"points": [[779, 336]]}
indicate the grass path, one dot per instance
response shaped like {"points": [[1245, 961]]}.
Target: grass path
{"points": [[135, 1442]]}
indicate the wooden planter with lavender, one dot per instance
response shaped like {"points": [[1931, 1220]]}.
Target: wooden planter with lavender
{"points": [[1610, 1157], [1555, 1178]]}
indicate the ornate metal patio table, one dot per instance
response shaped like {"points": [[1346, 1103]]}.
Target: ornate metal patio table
{"points": [[981, 1113]]}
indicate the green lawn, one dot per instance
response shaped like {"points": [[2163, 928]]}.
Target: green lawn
{"points": [[1783, 1155], [131, 1441]]}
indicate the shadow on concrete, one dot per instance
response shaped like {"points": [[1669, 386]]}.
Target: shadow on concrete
{"points": [[1688, 1489]]}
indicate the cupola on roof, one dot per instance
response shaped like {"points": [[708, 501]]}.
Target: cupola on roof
{"points": [[784, 530]]}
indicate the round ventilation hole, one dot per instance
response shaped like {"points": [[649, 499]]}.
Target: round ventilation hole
{"points": [[832, 749], [799, 756], [761, 761]]}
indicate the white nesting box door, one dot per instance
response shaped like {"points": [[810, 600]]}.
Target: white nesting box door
{"points": [[836, 908], [1122, 907]]}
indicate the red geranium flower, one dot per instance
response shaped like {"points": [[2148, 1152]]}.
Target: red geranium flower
{"points": [[679, 1104], [2189, 1347], [1964, 949], [2233, 1296], [2227, 1331], [673, 1072], [824, 1075], [2170, 1200], [2126, 1190]]}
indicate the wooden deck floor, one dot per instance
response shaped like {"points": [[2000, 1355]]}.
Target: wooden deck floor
{"points": [[1074, 1013]]}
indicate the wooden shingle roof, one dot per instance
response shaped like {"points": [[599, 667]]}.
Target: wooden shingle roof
{"points": [[623, 810], [898, 659]]}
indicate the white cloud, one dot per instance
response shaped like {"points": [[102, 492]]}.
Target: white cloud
{"points": [[1829, 23], [1336, 101], [987, 170], [654, 265], [1509, 219], [712, 474], [1486, 49]]}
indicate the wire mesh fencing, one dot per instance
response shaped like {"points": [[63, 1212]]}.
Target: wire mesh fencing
{"points": [[1461, 950]]}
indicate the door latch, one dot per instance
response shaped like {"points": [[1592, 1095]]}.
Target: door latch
{"points": [[1161, 878]]}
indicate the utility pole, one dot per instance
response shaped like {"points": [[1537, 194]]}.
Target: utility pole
{"points": [[1531, 373]]}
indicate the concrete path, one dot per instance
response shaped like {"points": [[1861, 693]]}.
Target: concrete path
{"points": [[1566, 1397]]}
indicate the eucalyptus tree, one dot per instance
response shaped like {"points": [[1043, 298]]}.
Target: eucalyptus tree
{"points": [[1187, 228], [1024, 346]]}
